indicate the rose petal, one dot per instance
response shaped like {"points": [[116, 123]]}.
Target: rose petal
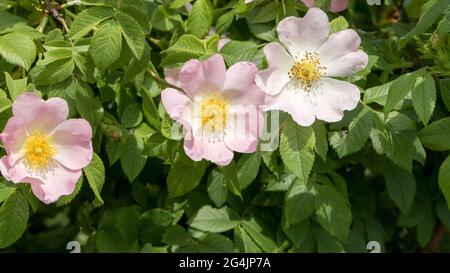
{"points": [[58, 183], [304, 34], [172, 76], [244, 129], [216, 152], [332, 97], [73, 143], [239, 87], [13, 138], [294, 101], [39, 114], [197, 76], [276, 77], [340, 54], [338, 5], [178, 106]]}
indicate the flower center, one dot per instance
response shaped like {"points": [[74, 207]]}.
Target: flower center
{"points": [[214, 114], [307, 70], [39, 151]]}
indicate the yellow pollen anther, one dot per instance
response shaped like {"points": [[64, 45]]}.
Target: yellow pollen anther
{"points": [[214, 114], [307, 70], [39, 151]]}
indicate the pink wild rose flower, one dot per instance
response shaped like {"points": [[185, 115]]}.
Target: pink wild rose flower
{"points": [[219, 109], [299, 79], [44, 148], [335, 5]]}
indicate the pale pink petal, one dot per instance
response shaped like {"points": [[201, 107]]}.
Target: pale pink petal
{"points": [[39, 114], [244, 129], [294, 101], [309, 3], [340, 54], [248, 1], [338, 5], [240, 87], [276, 77], [13, 137], [304, 34], [172, 76], [60, 182], [193, 148], [178, 106], [197, 76], [332, 97], [13, 172], [4, 167], [73, 142], [216, 152]]}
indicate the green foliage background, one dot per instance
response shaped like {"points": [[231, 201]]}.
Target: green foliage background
{"points": [[381, 174]]}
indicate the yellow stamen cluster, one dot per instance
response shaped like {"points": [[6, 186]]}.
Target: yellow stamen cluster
{"points": [[39, 151], [214, 114], [307, 70]]}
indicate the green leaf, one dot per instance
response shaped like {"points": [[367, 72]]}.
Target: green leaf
{"points": [[236, 51], [333, 212], [297, 149], [338, 24], [88, 105], [106, 45], [215, 243], [153, 224], [184, 178], [401, 187], [444, 179], [200, 18], [297, 233], [398, 91], [321, 145], [260, 233], [13, 219], [216, 188], [244, 242], [424, 97], [6, 190], [176, 235], [132, 116], [95, 174], [188, 47], [88, 20], [428, 18], [435, 135], [132, 160], [176, 4], [214, 220], [132, 32], [444, 85], [327, 243], [225, 21], [15, 87], [18, 49], [377, 94], [231, 178], [299, 203], [5, 104], [248, 168], [266, 14], [53, 73], [346, 143], [137, 66]]}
